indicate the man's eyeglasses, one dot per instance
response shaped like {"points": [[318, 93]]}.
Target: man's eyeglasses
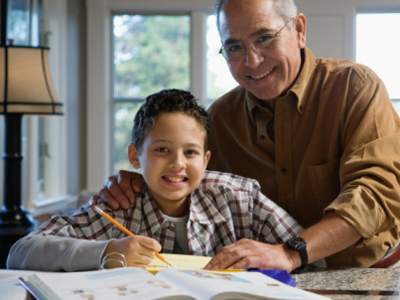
{"points": [[261, 43]]}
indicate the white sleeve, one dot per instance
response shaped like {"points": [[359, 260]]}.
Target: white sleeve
{"points": [[54, 253]]}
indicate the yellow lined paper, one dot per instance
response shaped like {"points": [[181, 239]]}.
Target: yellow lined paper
{"points": [[178, 260]]}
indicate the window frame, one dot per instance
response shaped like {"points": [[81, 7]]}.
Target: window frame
{"points": [[54, 193], [99, 66]]}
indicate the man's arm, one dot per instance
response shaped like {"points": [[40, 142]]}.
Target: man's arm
{"points": [[331, 235], [119, 190]]}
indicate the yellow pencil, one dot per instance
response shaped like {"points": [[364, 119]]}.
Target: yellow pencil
{"points": [[109, 218]]}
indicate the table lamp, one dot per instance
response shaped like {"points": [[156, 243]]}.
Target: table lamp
{"points": [[25, 88]]}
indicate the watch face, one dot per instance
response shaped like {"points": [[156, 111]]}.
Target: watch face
{"points": [[295, 242], [300, 245]]}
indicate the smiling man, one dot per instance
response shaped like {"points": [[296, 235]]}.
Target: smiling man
{"points": [[247, 31], [319, 135]]}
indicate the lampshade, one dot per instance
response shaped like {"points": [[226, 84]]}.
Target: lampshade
{"points": [[25, 82]]}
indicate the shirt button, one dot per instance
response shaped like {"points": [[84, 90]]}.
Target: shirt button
{"points": [[262, 136], [166, 224], [284, 170]]}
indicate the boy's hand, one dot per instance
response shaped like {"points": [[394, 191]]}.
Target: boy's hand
{"points": [[139, 250], [119, 190], [246, 254]]}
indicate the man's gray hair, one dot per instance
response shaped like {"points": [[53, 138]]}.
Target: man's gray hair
{"points": [[285, 9]]}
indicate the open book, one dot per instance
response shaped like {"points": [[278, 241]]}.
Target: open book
{"points": [[169, 283]]}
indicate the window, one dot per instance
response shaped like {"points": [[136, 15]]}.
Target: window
{"points": [[377, 46], [219, 79], [112, 100], [152, 52]]}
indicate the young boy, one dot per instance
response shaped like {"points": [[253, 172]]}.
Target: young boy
{"points": [[182, 209]]}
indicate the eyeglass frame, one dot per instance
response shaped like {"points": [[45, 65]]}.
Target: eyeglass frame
{"points": [[271, 38]]}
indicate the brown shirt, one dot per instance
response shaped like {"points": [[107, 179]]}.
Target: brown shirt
{"points": [[331, 143]]}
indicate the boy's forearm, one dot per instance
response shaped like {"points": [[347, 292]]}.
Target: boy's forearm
{"points": [[53, 253]]}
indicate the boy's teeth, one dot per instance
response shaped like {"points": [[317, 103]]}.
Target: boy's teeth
{"points": [[175, 179]]}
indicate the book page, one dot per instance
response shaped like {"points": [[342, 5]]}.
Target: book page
{"points": [[220, 285], [178, 260], [9, 287], [119, 283]]}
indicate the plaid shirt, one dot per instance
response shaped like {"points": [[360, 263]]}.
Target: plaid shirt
{"points": [[223, 209]]}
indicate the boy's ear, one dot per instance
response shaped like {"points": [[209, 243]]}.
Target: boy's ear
{"points": [[133, 156], [207, 157]]}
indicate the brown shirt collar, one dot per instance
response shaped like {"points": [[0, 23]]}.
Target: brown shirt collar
{"points": [[300, 89]]}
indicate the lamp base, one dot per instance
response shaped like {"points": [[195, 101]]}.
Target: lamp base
{"points": [[15, 219]]}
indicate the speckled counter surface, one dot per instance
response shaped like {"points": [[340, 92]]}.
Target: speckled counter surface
{"points": [[352, 283]]}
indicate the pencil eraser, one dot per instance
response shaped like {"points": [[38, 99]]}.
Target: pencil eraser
{"points": [[98, 210]]}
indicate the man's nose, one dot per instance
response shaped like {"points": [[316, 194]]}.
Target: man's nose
{"points": [[253, 58]]}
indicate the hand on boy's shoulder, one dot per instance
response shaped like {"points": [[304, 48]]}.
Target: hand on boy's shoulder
{"points": [[119, 190]]}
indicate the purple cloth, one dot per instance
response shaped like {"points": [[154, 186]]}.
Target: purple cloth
{"points": [[280, 275]]}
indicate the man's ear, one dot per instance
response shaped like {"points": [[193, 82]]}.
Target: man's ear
{"points": [[300, 28], [133, 156]]}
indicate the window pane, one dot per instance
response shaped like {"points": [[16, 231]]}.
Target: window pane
{"points": [[124, 112], [18, 22], [150, 53], [219, 79], [378, 47]]}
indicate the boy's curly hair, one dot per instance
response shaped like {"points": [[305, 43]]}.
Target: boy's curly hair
{"points": [[167, 101]]}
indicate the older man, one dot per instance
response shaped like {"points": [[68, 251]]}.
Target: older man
{"points": [[320, 135]]}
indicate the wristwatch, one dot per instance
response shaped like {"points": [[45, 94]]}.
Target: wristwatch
{"points": [[299, 244]]}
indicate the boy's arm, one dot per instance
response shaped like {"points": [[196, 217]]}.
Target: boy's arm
{"points": [[55, 253], [271, 223], [68, 243]]}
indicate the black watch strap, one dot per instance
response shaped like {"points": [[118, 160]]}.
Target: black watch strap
{"points": [[299, 244]]}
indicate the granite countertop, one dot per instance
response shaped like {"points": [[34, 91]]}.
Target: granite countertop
{"points": [[352, 283]]}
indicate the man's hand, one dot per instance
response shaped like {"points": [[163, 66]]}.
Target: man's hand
{"points": [[119, 190], [139, 250], [246, 254], [330, 235]]}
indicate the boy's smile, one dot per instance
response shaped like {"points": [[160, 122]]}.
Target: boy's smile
{"points": [[172, 160], [174, 179]]}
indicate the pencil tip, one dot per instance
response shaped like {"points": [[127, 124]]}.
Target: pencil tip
{"points": [[168, 263]]}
